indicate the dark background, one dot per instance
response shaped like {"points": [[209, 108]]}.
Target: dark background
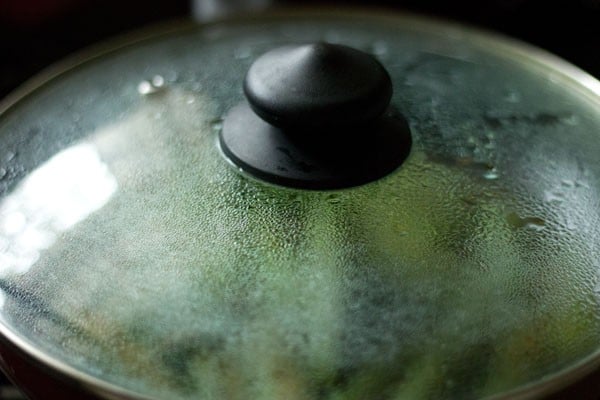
{"points": [[36, 33]]}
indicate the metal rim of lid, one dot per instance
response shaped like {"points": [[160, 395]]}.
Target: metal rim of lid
{"points": [[573, 78]]}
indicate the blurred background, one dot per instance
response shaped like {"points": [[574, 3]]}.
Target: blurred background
{"points": [[36, 33]]}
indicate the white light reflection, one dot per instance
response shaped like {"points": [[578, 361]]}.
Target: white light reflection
{"points": [[54, 197]]}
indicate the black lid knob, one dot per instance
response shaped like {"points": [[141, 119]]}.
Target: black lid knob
{"points": [[317, 85], [316, 118]]}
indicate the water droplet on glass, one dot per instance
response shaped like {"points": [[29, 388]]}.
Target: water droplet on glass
{"points": [[3, 173], [534, 223], [379, 48], [190, 100], [552, 197], [10, 155], [597, 287], [158, 81], [154, 85], [333, 199], [491, 174], [535, 226], [217, 125], [144, 88], [567, 183]]}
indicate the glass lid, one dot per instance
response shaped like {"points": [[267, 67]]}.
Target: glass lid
{"points": [[137, 258]]}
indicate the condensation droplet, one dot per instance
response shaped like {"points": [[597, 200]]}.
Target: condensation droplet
{"points": [[553, 197], [333, 199], [535, 226], [158, 81], [10, 156], [146, 87], [3, 173], [190, 100], [491, 175], [567, 183], [534, 223], [217, 125]]}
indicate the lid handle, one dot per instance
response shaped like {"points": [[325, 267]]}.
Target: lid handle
{"points": [[317, 116], [317, 86]]}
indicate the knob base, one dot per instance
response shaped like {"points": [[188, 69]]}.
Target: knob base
{"points": [[312, 160]]}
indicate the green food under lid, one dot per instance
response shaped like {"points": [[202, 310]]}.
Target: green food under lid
{"points": [[133, 252]]}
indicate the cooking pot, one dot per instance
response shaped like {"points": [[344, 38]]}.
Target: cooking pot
{"points": [[302, 205]]}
